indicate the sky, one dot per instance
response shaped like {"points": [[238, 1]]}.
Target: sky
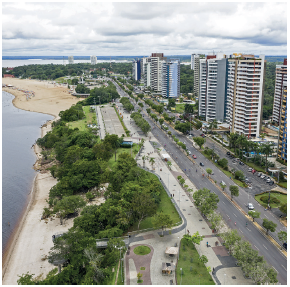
{"points": [[142, 28]]}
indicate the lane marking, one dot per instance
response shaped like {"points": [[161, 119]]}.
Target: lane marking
{"points": [[241, 230], [227, 216], [234, 215], [256, 246], [223, 202], [283, 267], [275, 269], [248, 229], [265, 246], [266, 216]]}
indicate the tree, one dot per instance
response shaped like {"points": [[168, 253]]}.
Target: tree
{"points": [[263, 274], [267, 150], [26, 279], [144, 157], [231, 238], [239, 175], [152, 161], [95, 260], [234, 189], [223, 162], [213, 125], [114, 141], [254, 214], [205, 200], [161, 121], [148, 111], [215, 220], [171, 103], [223, 186], [89, 196], [143, 205], [269, 225], [282, 235], [199, 141], [209, 171], [139, 276], [283, 208], [203, 259], [188, 109], [169, 163], [68, 205], [162, 220]]}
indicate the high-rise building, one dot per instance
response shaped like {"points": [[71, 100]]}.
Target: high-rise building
{"points": [[281, 76], [213, 80], [245, 87], [70, 59], [171, 79], [136, 69], [93, 60], [157, 60], [282, 141], [195, 64], [146, 71]]}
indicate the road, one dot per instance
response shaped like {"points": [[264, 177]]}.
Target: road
{"points": [[226, 209]]}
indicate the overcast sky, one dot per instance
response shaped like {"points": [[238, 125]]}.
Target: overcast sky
{"points": [[136, 28]]}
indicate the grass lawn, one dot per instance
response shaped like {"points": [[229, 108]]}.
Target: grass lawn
{"points": [[283, 184], [112, 278], [142, 250], [166, 206], [90, 118], [280, 196], [199, 274], [254, 166], [112, 162], [179, 108]]}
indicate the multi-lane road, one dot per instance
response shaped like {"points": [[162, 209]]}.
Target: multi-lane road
{"points": [[229, 212]]}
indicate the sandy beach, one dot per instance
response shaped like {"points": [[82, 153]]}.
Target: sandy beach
{"points": [[33, 238]]}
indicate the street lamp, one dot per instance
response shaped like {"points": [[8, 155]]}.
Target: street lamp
{"points": [[181, 276], [225, 279]]}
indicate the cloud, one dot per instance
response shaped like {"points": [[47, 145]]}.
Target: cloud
{"points": [[137, 28]]}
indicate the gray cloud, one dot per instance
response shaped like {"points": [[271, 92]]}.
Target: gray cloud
{"points": [[139, 28]]}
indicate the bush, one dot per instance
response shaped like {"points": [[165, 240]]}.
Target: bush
{"points": [[265, 198]]}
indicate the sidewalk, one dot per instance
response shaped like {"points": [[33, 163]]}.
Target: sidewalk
{"points": [[102, 130], [217, 255]]}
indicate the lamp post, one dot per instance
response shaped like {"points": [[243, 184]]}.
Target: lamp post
{"points": [[181, 276], [225, 279]]}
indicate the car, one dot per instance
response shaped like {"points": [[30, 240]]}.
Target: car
{"points": [[271, 182], [194, 156], [263, 175], [228, 153], [267, 177], [253, 171], [223, 183], [189, 152], [250, 169], [285, 245], [250, 206], [201, 164], [241, 163], [259, 174]]}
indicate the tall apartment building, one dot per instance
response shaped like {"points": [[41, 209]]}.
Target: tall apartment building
{"points": [[281, 76], [136, 69], [93, 60], [282, 141], [195, 64], [146, 72], [212, 94], [171, 79], [245, 94], [70, 59]]}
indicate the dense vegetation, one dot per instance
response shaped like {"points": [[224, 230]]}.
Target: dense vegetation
{"points": [[82, 169], [186, 79]]}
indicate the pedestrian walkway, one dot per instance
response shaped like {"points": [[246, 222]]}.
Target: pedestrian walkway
{"points": [[102, 130]]}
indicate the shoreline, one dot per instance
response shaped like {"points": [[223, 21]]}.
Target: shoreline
{"points": [[39, 190]]}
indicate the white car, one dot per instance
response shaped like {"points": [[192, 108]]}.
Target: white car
{"points": [[250, 206], [189, 152], [262, 176]]}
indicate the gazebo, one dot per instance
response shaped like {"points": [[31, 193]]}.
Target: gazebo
{"points": [[167, 268], [171, 251]]}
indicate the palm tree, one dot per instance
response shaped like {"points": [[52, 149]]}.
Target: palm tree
{"points": [[267, 150], [152, 161], [213, 125], [233, 140], [242, 142], [144, 157]]}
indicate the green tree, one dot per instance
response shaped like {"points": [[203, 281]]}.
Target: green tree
{"points": [[148, 111], [89, 196], [139, 276], [234, 189], [269, 225], [209, 171], [143, 206], [205, 200], [161, 121], [95, 260], [283, 208], [203, 259], [114, 141], [171, 103], [199, 141], [26, 279], [223, 186], [215, 220], [267, 150], [254, 214], [282, 235], [68, 205], [162, 220], [223, 162], [152, 161], [239, 175], [231, 238], [213, 125]]}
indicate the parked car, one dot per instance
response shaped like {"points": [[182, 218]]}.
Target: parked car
{"points": [[189, 152], [201, 164], [259, 174], [263, 175], [194, 156], [267, 177], [228, 153], [253, 171], [250, 169], [285, 245], [271, 182], [250, 206], [223, 183], [241, 163]]}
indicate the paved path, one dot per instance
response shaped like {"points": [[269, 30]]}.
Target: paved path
{"points": [[194, 222], [102, 131]]}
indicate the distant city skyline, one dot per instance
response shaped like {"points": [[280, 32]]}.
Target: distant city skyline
{"points": [[140, 28]]}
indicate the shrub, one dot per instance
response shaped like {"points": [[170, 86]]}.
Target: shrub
{"points": [[265, 198]]}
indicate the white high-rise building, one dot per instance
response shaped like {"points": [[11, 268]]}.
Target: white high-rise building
{"points": [[70, 59], [195, 62], [171, 79], [245, 83], [93, 60], [281, 76], [202, 88]]}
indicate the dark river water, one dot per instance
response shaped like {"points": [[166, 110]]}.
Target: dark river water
{"points": [[20, 130]]}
